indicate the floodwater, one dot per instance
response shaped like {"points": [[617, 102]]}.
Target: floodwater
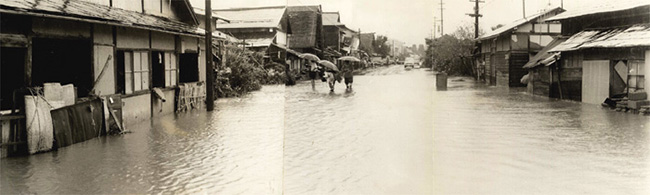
{"points": [[392, 134]]}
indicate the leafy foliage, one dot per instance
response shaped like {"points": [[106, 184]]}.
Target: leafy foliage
{"points": [[245, 71], [452, 53], [381, 46]]}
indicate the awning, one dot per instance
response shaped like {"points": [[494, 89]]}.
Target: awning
{"points": [[545, 57], [631, 36]]}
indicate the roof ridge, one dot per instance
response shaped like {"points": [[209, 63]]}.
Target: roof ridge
{"points": [[249, 8]]}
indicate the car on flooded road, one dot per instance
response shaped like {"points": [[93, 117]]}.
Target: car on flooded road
{"points": [[410, 63]]}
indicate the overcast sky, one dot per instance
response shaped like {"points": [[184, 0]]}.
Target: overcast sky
{"points": [[411, 21]]}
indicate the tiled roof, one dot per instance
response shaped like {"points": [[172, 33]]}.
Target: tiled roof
{"points": [[331, 19], [632, 36], [95, 13], [517, 23], [600, 7], [304, 26], [544, 56], [259, 17]]}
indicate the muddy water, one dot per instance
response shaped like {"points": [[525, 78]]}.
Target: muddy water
{"points": [[392, 134]]}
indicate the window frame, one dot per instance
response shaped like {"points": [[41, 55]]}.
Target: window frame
{"points": [[638, 77], [130, 72]]}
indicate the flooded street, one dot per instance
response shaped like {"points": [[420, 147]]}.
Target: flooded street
{"points": [[392, 134]]}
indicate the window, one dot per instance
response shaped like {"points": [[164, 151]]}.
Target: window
{"points": [[163, 69], [133, 71], [635, 78], [189, 67], [555, 28], [170, 69]]}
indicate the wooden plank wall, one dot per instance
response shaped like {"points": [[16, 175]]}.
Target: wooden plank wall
{"points": [[515, 72]]}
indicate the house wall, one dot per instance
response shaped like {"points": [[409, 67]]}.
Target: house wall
{"points": [[515, 71], [202, 67], [61, 28], [540, 81], [331, 36], [500, 69], [136, 108], [101, 2], [571, 75], [103, 48], [519, 42], [128, 5], [596, 70], [130, 38], [647, 71], [595, 85], [163, 41], [104, 60], [281, 38], [189, 44], [488, 67], [639, 15], [160, 108]]}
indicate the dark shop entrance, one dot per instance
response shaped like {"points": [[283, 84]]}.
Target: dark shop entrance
{"points": [[63, 61]]}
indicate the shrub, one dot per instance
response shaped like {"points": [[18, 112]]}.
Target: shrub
{"points": [[244, 71]]}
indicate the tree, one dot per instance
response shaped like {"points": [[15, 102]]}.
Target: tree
{"points": [[380, 46], [452, 53]]}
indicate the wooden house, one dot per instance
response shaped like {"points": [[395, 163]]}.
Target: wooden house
{"points": [[307, 29], [337, 37], [505, 50], [607, 50], [264, 29], [107, 48]]}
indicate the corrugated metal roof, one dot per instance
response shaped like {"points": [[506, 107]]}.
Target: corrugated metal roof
{"points": [[632, 36], [600, 7], [259, 17], [331, 19], [544, 56], [92, 12], [516, 23]]}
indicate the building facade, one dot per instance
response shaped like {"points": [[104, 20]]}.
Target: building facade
{"points": [[118, 49], [505, 50]]}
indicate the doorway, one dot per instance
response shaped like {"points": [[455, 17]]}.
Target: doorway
{"points": [[12, 74]]}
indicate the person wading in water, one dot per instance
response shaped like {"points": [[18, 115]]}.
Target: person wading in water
{"points": [[348, 75], [313, 73]]}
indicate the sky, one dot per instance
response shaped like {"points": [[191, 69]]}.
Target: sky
{"points": [[411, 21]]}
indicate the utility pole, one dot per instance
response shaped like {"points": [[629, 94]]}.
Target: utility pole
{"points": [[476, 15], [209, 73], [442, 29], [562, 4]]}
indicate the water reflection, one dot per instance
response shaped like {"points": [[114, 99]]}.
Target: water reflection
{"points": [[392, 134]]}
